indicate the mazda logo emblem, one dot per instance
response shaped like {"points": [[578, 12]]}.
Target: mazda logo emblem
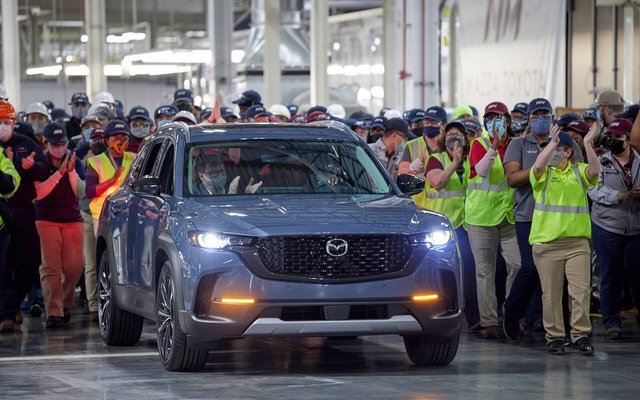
{"points": [[337, 247]]}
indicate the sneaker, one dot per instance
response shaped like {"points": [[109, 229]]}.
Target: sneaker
{"points": [[511, 328], [35, 310], [55, 322], [491, 332], [584, 346], [613, 333], [555, 347], [7, 326]]}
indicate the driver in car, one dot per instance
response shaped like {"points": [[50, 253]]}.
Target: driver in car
{"points": [[212, 179]]}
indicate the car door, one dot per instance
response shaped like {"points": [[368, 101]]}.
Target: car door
{"points": [[137, 210]]}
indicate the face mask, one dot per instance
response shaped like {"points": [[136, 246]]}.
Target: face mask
{"points": [[400, 147], [417, 131], [451, 143], [38, 127], [5, 132], [139, 132], [490, 125], [118, 146], [163, 122], [79, 112], [57, 152], [432, 131], [557, 157], [519, 126], [616, 146], [540, 127], [86, 134], [502, 129], [216, 182], [98, 148]]}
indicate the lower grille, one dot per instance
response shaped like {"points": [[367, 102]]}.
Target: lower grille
{"points": [[317, 313], [309, 257]]}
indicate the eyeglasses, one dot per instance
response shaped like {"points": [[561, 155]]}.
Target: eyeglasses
{"points": [[495, 118], [138, 124], [539, 117]]}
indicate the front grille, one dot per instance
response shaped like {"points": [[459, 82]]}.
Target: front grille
{"points": [[307, 256]]}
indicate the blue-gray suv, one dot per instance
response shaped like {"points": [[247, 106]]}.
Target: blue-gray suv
{"points": [[273, 230]]}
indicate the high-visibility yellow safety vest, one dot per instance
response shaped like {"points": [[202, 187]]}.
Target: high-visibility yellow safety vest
{"points": [[489, 199], [562, 209], [448, 200], [106, 170], [7, 167]]}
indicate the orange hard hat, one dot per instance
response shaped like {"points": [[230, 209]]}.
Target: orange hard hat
{"points": [[7, 111]]}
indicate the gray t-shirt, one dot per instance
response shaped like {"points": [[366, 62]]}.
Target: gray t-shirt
{"points": [[525, 150]]}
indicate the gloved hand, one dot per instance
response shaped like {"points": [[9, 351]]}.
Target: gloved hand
{"points": [[233, 186], [251, 187], [416, 165]]}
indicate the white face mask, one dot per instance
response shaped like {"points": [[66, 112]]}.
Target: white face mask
{"points": [[5, 132]]}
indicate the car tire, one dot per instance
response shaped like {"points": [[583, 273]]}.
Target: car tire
{"points": [[175, 354], [432, 350], [117, 326]]}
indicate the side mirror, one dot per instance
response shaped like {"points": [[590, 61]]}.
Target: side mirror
{"points": [[410, 184], [149, 185]]}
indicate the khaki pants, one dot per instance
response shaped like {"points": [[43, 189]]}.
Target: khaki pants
{"points": [[570, 257], [61, 266], [90, 276], [485, 241]]}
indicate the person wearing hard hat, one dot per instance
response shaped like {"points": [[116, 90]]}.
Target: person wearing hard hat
{"points": [[280, 111], [336, 111], [185, 116], [38, 117], [106, 98], [104, 112], [22, 259]]}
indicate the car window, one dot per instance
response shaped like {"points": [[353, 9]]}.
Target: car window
{"points": [[166, 170], [279, 167], [138, 162], [151, 157]]}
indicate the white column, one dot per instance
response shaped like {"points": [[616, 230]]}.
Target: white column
{"points": [[392, 52], [11, 51], [95, 24], [271, 65], [211, 68], [319, 49], [627, 80], [220, 34]]}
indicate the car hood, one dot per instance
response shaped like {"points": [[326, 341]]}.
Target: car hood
{"points": [[299, 215]]}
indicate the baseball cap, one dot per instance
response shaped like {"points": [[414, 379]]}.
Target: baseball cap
{"points": [[89, 118], [538, 104], [139, 112], [474, 111], [183, 95], [579, 126], [472, 125], [397, 124], [592, 113], [102, 110], [630, 113], [564, 140], [96, 133], [496, 107], [57, 113], [620, 127], [115, 127], [317, 108], [293, 109], [256, 110], [461, 110], [165, 111], [521, 108], [185, 116], [49, 104], [248, 98], [610, 98], [458, 124], [79, 97], [567, 118], [415, 114], [378, 122], [437, 113], [317, 115], [23, 128], [226, 112], [55, 133], [363, 123]]}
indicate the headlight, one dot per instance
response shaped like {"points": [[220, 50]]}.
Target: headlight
{"points": [[210, 240], [437, 237]]}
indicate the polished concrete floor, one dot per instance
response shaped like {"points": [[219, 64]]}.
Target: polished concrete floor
{"points": [[73, 363]]}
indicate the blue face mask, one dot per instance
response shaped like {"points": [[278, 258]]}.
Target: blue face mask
{"points": [[163, 122], [431, 131], [86, 134], [489, 125], [502, 129], [540, 127]]}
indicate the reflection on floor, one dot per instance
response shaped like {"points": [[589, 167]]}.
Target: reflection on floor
{"points": [[73, 363]]}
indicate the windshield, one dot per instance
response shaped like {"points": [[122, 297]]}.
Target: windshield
{"points": [[281, 167]]}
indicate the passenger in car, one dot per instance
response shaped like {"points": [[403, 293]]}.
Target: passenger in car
{"points": [[211, 178]]}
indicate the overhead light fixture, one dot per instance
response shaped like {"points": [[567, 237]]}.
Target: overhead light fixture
{"points": [[171, 57], [84, 38], [335, 69], [126, 37], [76, 70], [50, 70], [237, 56]]}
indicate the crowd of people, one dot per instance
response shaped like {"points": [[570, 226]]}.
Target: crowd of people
{"points": [[525, 191]]}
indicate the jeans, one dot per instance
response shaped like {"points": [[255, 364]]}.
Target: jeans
{"points": [[526, 286], [618, 254], [471, 312]]}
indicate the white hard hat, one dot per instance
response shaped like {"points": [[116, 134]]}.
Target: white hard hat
{"points": [[101, 110], [336, 110], [3, 93], [392, 113], [104, 97], [280, 110], [182, 115], [37, 108]]}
